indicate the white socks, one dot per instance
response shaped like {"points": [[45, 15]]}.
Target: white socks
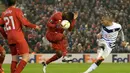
{"points": [[91, 68]]}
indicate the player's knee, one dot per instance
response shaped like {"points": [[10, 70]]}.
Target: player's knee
{"points": [[14, 58], [99, 61], [59, 53], [25, 57]]}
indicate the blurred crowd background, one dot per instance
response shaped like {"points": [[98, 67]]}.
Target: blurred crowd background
{"points": [[83, 37]]}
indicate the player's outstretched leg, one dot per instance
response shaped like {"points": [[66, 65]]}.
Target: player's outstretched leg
{"points": [[22, 63], [2, 57], [94, 65], [53, 58]]}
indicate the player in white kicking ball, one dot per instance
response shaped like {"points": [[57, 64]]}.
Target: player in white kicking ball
{"points": [[106, 40]]}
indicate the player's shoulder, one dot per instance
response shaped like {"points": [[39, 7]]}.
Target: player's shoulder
{"points": [[18, 9], [57, 13], [57, 16], [117, 24], [10, 10]]}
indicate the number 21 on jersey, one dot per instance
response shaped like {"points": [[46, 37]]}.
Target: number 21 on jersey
{"points": [[9, 20]]}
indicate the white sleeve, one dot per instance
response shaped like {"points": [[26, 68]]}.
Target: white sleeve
{"points": [[122, 35]]}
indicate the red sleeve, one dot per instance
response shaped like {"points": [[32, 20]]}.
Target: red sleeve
{"points": [[23, 20], [1, 21], [50, 25], [72, 24], [54, 20], [3, 33]]}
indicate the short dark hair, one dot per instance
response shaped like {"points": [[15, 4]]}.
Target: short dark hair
{"points": [[68, 16], [10, 2]]}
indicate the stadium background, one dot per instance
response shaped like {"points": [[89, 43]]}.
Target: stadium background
{"points": [[82, 41], [83, 37]]}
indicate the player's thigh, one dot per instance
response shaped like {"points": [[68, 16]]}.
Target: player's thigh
{"points": [[23, 47], [60, 46], [106, 52], [13, 49], [59, 36], [55, 37]]}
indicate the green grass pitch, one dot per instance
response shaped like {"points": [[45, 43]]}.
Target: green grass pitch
{"points": [[74, 68]]}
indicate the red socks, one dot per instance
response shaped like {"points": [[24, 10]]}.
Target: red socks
{"points": [[55, 57], [13, 66], [20, 66]]}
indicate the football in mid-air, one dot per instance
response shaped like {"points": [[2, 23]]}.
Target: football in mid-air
{"points": [[65, 24]]}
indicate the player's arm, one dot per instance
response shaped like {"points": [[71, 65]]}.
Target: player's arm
{"points": [[73, 21], [124, 43], [99, 35], [3, 33], [24, 20], [55, 20], [50, 24], [122, 35], [1, 21], [72, 24]]}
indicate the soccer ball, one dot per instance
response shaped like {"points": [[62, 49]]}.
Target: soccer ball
{"points": [[65, 24]]}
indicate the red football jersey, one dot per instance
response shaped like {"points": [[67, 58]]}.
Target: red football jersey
{"points": [[13, 19], [54, 20]]}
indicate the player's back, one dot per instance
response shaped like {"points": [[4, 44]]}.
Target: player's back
{"points": [[13, 25], [10, 17], [53, 21]]}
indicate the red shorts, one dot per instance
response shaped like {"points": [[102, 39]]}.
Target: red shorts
{"points": [[17, 43], [58, 42], [1, 49], [19, 48]]}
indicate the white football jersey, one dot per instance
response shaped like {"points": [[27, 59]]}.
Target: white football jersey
{"points": [[110, 33]]}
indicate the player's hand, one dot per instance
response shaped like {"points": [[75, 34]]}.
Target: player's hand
{"points": [[38, 27], [75, 15], [124, 44], [99, 36]]}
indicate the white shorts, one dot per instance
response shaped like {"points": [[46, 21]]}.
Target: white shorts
{"points": [[105, 51]]}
